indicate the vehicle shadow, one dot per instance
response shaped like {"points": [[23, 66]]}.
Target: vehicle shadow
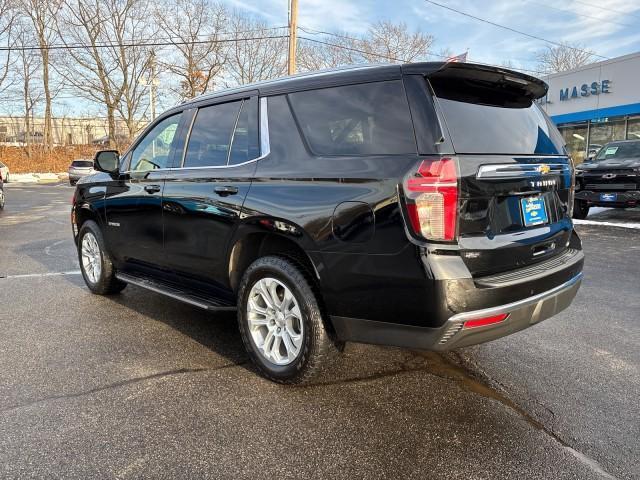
{"points": [[218, 332]]}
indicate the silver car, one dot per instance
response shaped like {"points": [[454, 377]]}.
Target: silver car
{"points": [[4, 173], [79, 169]]}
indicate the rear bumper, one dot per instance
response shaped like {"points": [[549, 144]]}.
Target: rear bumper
{"points": [[75, 175], [624, 198], [453, 334]]}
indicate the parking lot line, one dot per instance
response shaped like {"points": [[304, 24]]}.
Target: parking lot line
{"points": [[46, 274], [607, 224]]}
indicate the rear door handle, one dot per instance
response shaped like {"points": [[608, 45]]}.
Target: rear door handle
{"points": [[152, 188], [226, 190]]}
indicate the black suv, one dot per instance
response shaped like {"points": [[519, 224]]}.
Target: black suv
{"points": [[423, 205], [610, 179]]}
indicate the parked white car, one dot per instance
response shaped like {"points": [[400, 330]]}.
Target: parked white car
{"points": [[4, 173], [80, 168]]}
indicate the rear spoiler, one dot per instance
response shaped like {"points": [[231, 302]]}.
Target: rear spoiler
{"points": [[526, 85]]}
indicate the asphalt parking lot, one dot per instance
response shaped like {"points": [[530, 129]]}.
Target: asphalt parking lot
{"points": [[140, 386]]}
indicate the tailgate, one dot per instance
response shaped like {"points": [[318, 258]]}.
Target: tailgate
{"points": [[496, 233], [515, 177]]}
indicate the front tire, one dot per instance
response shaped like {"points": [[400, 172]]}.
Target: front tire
{"points": [[95, 264], [281, 322], [580, 209]]}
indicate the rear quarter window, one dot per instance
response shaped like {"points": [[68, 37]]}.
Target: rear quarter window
{"points": [[365, 119]]}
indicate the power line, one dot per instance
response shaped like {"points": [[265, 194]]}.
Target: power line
{"points": [[582, 14], [514, 30], [385, 56], [313, 31], [145, 43], [607, 9], [344, 47]]}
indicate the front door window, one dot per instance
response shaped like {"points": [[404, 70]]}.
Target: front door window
{"points": [[153, 152]]}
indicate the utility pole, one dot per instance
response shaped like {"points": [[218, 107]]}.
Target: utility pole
{"points": [[293, 25], [152, 85]]}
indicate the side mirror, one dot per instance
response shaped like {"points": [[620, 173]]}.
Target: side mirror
{"points": [[106, 161]]}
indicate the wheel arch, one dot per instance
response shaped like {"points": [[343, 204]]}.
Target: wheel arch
{"points": [[251, 246], [84, 211], [255, 245]]}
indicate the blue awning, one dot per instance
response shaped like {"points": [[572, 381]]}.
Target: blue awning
{"points": [[631, 109]]}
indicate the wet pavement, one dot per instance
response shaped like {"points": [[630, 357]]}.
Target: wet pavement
{"points": [[140, 386]]}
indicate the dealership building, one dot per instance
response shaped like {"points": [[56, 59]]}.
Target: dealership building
{"points": [[596, 104]]}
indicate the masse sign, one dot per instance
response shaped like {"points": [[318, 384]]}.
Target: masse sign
{"points": [[596, 88]]}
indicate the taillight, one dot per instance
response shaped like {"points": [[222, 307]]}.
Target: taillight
{"points": [[432, 198]]}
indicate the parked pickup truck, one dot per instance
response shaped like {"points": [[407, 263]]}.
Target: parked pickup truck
{"points": [[610, 179]]}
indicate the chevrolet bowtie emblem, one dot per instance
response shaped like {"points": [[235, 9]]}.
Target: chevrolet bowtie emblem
{"points": [[544, 169]]}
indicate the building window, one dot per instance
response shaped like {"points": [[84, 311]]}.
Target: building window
{"points": [[575, 137], [633, 129], [605, 132]]}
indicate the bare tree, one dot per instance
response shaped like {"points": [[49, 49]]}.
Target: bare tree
{"points": [[108, 68], [257, 55], [133, 63], [7, 20], [388, 41], [564, 57], [197, 56], [25, 70], [42, 14], [384, 42], [336, 51]]}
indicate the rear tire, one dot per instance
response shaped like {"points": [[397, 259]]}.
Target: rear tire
{"points": [[95, 264], [281, 322], [580, 209]]}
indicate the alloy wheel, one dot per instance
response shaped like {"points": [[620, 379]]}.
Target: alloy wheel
{"points": [[275, 321], [91, 257]]}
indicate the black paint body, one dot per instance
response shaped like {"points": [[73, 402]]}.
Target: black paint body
{"points": [[344, 214]]}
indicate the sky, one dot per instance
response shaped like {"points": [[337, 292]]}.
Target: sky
{"points": [[610, 28], [609, 31]]}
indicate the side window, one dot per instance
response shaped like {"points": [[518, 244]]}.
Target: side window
{"points": [[154, 149], [366, 119], [245, 144], [211, 135]]}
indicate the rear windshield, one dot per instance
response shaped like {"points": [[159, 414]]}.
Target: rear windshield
{"points": [[619, 151], [366, 119], [482, 120], [82, 163]]}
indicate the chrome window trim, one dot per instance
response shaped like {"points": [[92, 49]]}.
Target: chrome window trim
{"points": [[233, 132], [263, 132], [186, 139], [519, 170], [265, 146]]}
